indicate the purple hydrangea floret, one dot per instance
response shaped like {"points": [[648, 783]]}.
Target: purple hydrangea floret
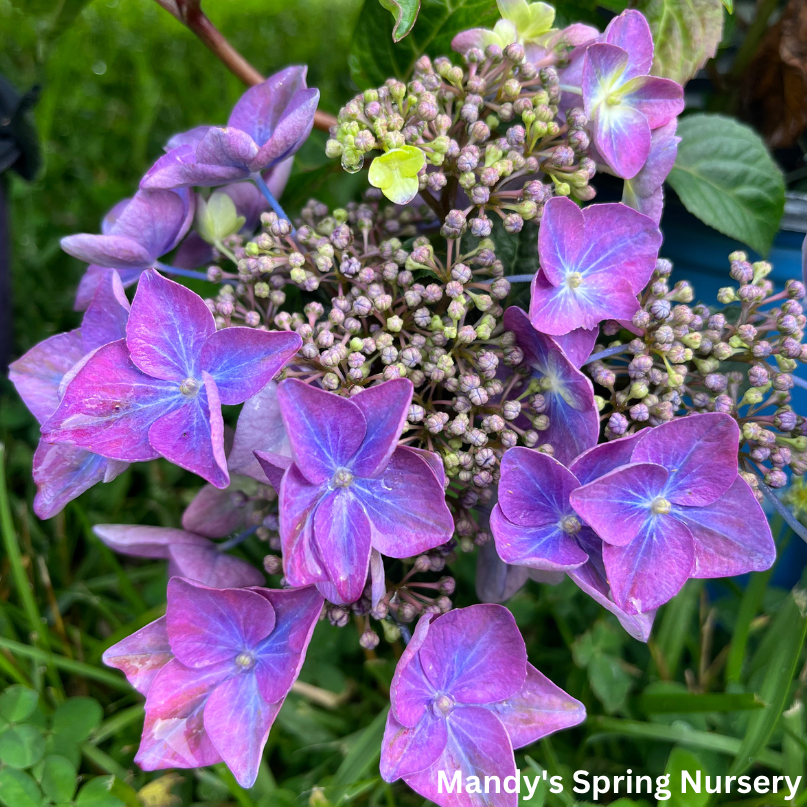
{"points": [[645, 192], [350, 488], [260, 428], [215, 671], [135, 234], [676, 509], [591, 577], [623, 103], [189, 555], [534, 524], [268, 125], [567, 395], [159, 391], [462, 698], [593, 264], [63, 472]]}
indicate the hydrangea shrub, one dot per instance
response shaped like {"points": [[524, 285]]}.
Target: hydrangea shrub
{"points": [[396, 405]]}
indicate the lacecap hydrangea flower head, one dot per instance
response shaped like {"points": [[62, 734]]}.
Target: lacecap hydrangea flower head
{"points": [[398, 409]]}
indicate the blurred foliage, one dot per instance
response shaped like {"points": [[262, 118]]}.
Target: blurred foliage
{"points": [[719, 687], [117, 83]]}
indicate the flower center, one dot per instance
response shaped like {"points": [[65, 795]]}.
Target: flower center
{"points": [[190, 386], [570, 525], [613, 99], [343, 478], [443, 705], [660, 506], [245, 660], [575, 280]]}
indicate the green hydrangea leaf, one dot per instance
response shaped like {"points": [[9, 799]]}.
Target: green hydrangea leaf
{"points": [[405, 13], [374, 56], [21, 746], [18, 703], [686, 34], [395, 173], [725, 176]]}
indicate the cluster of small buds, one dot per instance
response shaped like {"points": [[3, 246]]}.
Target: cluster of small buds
{"points": [[490, 132], [403, 603], [378, 311], [737, 359], [373, 300], [412, 598]]}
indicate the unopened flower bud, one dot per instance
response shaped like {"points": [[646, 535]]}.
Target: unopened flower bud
{"points": [[369, 640]]}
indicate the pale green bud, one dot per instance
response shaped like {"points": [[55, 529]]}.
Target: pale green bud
{"points": [[391, 631], [706, 366], [217, 217], [752, 397], [638, 389], [785, 364], [441, 144]]}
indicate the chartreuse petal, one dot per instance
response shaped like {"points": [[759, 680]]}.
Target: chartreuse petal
{"points": [[542, 15], [531, 19], [395, 173], [504, 33]]}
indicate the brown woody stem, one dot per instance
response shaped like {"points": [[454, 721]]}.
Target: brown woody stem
{"points": [[190, 13]]}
